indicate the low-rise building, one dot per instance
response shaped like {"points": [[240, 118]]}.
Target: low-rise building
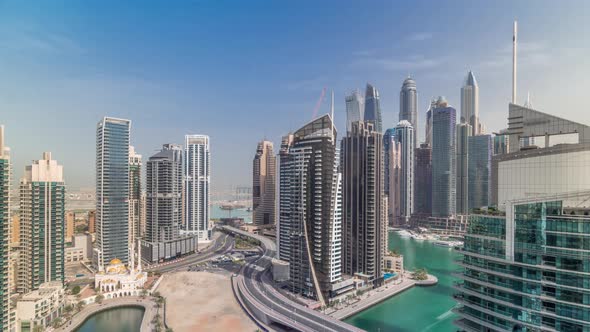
{"points": [[40, 307], [394, 263]]}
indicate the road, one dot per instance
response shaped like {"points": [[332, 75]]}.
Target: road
{"points": [[222, 245], [256, 286]]}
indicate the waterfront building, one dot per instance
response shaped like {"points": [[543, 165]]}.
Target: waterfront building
{"points": [[443, 159], [462, 185], [112, 190], [70, 225], [470, 104], [527, 270], [117, 279], [501, 142], [450, 226], [394, 263], [134, 195], [42, 227], [391, 174], [404, 135], [373, 108], [423, 180], [355, 108], [5, 192], [38, 308], [283, 198], [408, 105], [311, 210], [480, 171], [363, 221], [197, 173], [263, 185]]}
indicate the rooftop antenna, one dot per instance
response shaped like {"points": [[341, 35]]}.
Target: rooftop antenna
{"points": [[514, 49]]}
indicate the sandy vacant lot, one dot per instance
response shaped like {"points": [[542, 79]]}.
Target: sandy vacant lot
{"points": [[202, 301]]}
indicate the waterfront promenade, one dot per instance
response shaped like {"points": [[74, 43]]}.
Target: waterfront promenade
{"points": [[91, 309]]}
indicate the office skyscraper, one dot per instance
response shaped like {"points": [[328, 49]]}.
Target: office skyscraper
{"points": [[428, 127], [263, 184], [164, 194], [310, 209], [363, 221], [404, 135], [197, 170], [480, 172], [112, 190], [501, 143], [373, 108], [5, 190], [42, 225], [408, 105], [388, 142], [355, 109], [470, 104], [444, 170], [134, 196], [423, 180], [284, 208], [462, 183]]}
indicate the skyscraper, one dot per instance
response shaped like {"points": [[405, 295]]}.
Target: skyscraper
{"points": [[501, 143], [428, 127], [134, 196], [423, 176], [42, 226], [311, 207], [5, 190], [112, 190], [373, 107], [263, 185], [355, 108], [164, 194], [462, 182], [284, 204], [408, 105], [480, 172], [444, 170], [390, 165], [363, 221], [197, 170], [470, 104], [404, 135]]}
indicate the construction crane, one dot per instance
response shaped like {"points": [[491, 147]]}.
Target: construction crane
{"points": [[318, 104]]}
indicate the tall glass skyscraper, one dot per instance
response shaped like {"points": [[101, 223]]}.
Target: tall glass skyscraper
{"points": [[470, 104], [355, 109], [197, 171], [528, 270], [404, 135], [373, 107], [408, 105], [423, 180], [112, 190], [134, 196], [480, 170], [388, 140], [5, 190], [444, 120], [264, 185], [462, 183], [42, 224]]}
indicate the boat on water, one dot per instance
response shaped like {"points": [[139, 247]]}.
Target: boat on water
{"points": [[418, 237], [404, 233], [448, 244]]}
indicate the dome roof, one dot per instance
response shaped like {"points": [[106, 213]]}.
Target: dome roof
{"points": [[115, 261], [409, 83], [404, 123]]}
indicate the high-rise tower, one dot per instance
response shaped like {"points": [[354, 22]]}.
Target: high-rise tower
{"points": [[5, 190], [462, 159], [423, 180], [404, 135], [197, 170], [444, 120], [373, 108], [112, 190], [408, 105], [134, 196], [470, 104], [263, 185], [355, 108], [42, 224]]}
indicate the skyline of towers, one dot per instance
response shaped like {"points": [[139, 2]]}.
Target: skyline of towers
{"points": [[164, 194], [405, 136], [197, 174], [444, 119], [364, 223], [470, 104], [112, 190], [311, 209], [355, 108], [5, 222], [42, 224], [263, 184], [373, 107], [408, 105]]}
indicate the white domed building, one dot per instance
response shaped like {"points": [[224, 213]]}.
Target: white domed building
{"points": [[117, 280]]}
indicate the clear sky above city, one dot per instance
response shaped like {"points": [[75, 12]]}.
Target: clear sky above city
{"points": [[246, 70]]}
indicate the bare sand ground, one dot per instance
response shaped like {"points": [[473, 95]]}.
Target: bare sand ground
{"points": [[202, 301]]}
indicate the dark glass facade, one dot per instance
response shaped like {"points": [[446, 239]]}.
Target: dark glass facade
{"points": [[443, 161]]}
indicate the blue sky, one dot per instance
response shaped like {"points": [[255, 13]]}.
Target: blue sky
{"points": [[244, 70]]}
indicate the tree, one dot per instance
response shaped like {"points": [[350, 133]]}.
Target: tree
{"points": [[76, 290], [143, 293], [80, 305], [68, 309], [99, 298], [420, 274], [56, 323]]}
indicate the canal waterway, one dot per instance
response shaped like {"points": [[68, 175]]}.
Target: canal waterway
{"points": [[125, 319], [419, 308]]}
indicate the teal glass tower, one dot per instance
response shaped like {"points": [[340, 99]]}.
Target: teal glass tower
{"points": [[527, 270]]}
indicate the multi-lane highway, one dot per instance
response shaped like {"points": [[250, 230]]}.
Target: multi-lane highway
{"points": [[256, 288], [221, 245]]}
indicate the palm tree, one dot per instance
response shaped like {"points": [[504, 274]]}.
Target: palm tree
{"points": [[99, 298], [80, 305]]}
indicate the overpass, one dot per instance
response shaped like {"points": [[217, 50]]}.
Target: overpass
{"points": [[268, 306]]}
